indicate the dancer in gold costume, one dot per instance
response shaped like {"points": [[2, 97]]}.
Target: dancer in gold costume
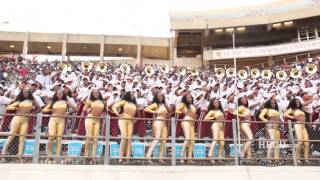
{"points": [[245, 117], [159, 127], [94, 107], [270, 113], [128, 106], [216, 113], [296, 113], [24, 104], [59, 108], [187, 107]]}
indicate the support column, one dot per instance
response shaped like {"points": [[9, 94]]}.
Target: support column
{"points": [[175, 56], [102, 48], [298, 35], [270, 61], [64, 47], [25, 45], [171, 51], [139, 60], [316, 32]]}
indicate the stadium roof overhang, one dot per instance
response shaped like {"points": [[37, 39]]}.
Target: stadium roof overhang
{"points": [[85, 45], [279, 11]]}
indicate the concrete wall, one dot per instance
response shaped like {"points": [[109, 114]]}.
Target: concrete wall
{"points": [[71, 172], [190, 62]]}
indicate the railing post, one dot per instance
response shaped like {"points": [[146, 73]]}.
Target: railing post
{"points": [[35, 158], [294, 153], [235, 142], [107, 137], [173, 141]]}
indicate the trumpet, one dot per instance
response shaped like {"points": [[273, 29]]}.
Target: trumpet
{"points": [[311, 69], [255, 73], [149, 71], [295, 73], [266, 74], [194, 72], [62, 66], [164, 69], [219, 72], [101, 67], [125, 68], [231, 72], [281, 75], [182, 71], [243, 74], [86, 66]]}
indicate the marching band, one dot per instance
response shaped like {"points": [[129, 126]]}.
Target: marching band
{"points": [[93, 90]]}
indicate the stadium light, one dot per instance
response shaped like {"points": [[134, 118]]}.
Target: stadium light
{"points": [[49, 47], [241, 28], [230, 29], [276, 25], [288, 23], [218, 30], [120, 49], [12, 46]]}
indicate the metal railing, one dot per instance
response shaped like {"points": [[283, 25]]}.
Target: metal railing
{"points": [[284, 149]]}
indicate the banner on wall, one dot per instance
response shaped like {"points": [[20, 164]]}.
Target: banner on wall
{"points": [[262, 51]]}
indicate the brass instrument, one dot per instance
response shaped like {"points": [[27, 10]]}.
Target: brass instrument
{"points": [[255, 73], [164, 69], [220, 72], [125, 68], [295, 73], [231, 72], [101, 67], [311, 69], [194, 71], [182, 71], [5, 75], [281, 75], [243, 74], [86, 66], [149, 71], [61, 66], [266, 74]]}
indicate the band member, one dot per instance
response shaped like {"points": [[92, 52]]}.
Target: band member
{"points": [[216, 113], [270, 113], [187, 107], [24, 104], [159, 127], [59, 108], [245, 117], [128, 106], [296, 113], [94, 106]]}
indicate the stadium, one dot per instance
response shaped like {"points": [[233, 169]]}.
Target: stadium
{"points": [[228, 92]]}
